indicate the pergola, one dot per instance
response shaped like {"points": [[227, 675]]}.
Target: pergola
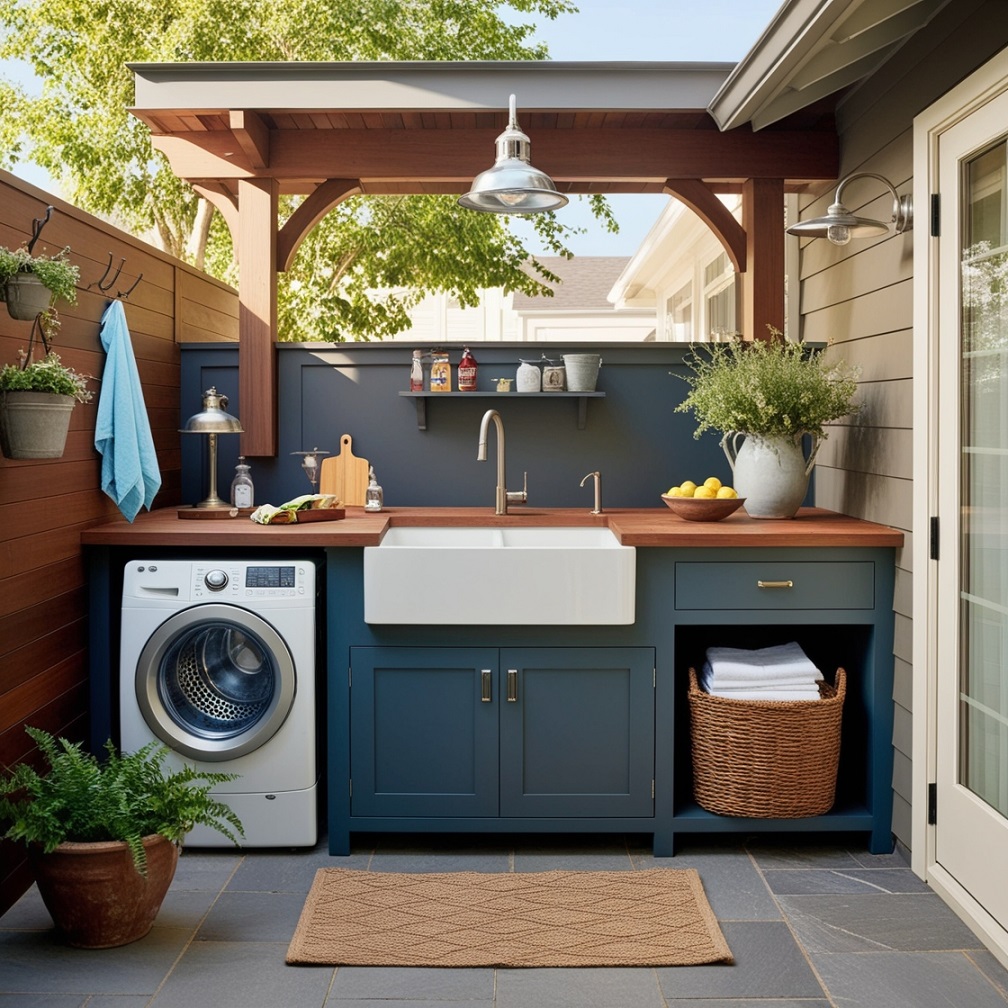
{"points": [[244, 133]]}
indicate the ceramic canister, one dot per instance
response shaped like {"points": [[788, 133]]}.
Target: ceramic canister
{"points": [[554, 377], [529, 377]]}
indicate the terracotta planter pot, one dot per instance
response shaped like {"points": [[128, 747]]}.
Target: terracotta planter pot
{"points": [[34, 425], [95, 896]]}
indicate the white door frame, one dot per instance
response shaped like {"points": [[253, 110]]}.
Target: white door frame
{"points": [[990, 80]]}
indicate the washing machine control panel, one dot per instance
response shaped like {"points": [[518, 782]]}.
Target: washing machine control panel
{"points": [[249, 581]]}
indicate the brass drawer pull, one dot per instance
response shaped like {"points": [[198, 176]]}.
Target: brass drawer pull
{"points": [[775, 584], [486, 676], [512, 685]]}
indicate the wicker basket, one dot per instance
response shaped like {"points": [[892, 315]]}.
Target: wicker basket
{"points": [[770, 759]]}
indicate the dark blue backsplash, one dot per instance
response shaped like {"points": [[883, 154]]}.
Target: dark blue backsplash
{"points": [[633, 436]]}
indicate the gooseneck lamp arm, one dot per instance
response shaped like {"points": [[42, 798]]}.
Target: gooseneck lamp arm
{"points": [[840, 225]]}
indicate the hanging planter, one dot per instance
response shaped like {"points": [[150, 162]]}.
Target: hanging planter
{"points": [[36, 400], [32, 284], [34, 425], [26, 296]]}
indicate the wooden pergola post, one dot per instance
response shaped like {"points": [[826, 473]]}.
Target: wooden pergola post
{"points": [[763, 279], [257, 313]]}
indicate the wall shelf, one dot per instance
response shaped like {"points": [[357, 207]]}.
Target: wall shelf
{"points": [[581, 397]]}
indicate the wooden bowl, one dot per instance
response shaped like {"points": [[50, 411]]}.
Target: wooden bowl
{"points": [[703, 509]]}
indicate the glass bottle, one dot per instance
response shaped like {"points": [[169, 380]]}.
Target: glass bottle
{"points": [[416, 372], [467, 372], [374, 496], [242, 491]]}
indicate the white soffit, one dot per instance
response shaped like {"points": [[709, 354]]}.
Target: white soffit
{"points": [[813, 49], [428, 86]]}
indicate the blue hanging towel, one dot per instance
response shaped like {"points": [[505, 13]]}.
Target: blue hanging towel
{"points": [[130, 473]]}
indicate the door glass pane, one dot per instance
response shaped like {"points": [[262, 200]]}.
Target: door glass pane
{"points": [[983, 665]]}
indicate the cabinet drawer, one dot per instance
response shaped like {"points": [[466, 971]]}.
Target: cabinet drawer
{"points": [[777, 584]]}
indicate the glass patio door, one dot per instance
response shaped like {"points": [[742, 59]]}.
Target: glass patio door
{"points": [[971, 837]]}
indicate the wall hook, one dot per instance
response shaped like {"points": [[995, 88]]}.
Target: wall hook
{"points": [[107, 282], [37, 225], [126, 293]]}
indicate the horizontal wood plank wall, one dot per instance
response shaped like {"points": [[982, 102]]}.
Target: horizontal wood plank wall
{"points": [[45, 504], [859, 297]]}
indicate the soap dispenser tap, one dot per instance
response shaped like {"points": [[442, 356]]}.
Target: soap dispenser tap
{"points": [[374, 497], [597, 476]]}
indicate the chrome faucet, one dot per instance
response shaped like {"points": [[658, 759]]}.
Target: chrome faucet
{"points": [[503, 496], [598, 490]]}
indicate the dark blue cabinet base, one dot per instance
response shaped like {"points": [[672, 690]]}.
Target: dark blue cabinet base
{"points": [[586, 729]]}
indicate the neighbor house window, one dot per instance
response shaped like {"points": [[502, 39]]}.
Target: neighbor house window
{"points": [[719, 297], [679, 315]]}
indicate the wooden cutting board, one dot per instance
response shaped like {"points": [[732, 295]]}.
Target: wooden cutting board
{"points": [[345, 475]]}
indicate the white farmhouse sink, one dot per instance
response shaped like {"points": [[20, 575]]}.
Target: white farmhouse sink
{"points": [[472, 575]]}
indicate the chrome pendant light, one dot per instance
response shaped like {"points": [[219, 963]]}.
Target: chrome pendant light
{"points": [[213, 420], [513, 186], [840, 225]]}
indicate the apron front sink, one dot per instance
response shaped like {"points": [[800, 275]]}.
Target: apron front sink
{"points": [[513, 575]]}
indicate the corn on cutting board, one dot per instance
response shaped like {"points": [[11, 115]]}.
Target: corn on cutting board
{"points": [[345, 475]]}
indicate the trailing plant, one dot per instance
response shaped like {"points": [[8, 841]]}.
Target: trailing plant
{"points": [[46, 375], [122, 797], [56, 272], [769, 387]]}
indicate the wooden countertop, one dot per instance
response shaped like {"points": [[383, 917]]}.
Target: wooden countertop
{"points": [[633, 526]]}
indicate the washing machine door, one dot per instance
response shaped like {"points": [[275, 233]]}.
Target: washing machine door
{"points": [[215, 682]]}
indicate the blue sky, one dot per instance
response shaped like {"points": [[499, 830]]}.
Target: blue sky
{"points": [[613, 30], [703, 31]]}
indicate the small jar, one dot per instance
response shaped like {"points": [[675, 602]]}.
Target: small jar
{"points": [[529, 377], [242, 491], [440, 372]]}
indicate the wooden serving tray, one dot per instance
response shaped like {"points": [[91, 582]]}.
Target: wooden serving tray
{"points": [[319, 514], [203, 514]]}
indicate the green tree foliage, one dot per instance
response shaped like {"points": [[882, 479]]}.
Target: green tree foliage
{"points": [[79, 129]]}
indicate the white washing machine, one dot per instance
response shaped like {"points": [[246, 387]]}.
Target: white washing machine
{"points": [[218, 663]]}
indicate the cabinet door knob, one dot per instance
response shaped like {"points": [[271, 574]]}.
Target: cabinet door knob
{"points": [[775, 584], [486, 684], [512, 685]]}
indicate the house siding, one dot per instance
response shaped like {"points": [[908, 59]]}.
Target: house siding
{"points": [[859, 299]]}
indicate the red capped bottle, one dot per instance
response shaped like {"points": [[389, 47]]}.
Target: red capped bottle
{"points": [[467, 371]]}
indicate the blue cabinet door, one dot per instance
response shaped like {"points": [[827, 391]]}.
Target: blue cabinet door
{"points": [[577, 731], [423, 731]]}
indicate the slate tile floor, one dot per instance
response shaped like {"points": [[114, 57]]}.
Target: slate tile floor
{"points": [[811, 924]]}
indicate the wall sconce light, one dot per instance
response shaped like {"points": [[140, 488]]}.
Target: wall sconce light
{"points": [[840, 225], [213, 420], [513, 186], [310, 464]]}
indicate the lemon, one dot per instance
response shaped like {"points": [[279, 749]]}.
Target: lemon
{"points": [[713, 482], [727, 493], [705, 492], [688, 488], [674, 492]]}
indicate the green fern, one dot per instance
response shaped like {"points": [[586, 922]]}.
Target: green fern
{"points": [[123, 797]]}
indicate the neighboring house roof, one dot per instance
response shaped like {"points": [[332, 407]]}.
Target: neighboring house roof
{"points": [[585, 282], [814, 49]]}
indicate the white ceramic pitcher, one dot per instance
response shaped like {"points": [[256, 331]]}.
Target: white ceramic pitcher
{"points": [[770, 471]]}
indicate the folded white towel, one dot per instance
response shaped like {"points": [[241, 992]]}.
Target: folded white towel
{"points": [[785, 662], [772, 695], [810, 680], [772, 682]]}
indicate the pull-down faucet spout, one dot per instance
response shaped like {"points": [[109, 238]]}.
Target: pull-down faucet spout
{"points": [[501, 495]]}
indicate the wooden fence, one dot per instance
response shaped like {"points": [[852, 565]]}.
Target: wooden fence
{"points": [[45, 505]]}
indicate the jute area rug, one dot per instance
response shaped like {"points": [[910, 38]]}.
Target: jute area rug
{"points": [[658, 917]]}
